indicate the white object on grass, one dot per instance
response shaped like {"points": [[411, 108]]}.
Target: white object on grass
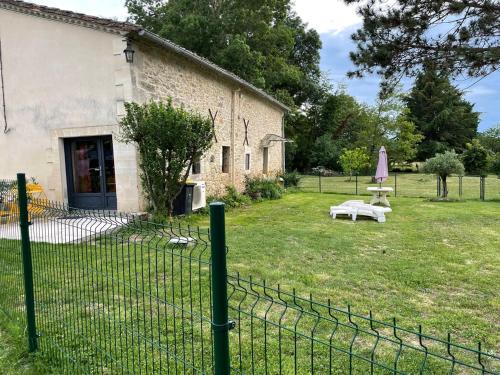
{"points": [[357, 208], [181, 240], [380, 195]]}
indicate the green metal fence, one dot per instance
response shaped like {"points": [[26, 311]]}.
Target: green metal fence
{"points": [[417, 185], [117, 294]]}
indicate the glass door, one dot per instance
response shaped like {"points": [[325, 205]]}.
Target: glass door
{"points": [[90, 169]]}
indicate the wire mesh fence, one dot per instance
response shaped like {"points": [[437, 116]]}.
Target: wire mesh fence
{"points": [[417, 185], [11, 266], [281, 332], [118, 294]]}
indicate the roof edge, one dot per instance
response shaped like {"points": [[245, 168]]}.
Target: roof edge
{"points": [[70, 17], [208, 64]]}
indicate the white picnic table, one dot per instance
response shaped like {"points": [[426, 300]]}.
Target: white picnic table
{"points": [[379, 195]]}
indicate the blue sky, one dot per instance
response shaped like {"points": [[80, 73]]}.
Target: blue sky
{"points": [[335, 61], [335, 22]]}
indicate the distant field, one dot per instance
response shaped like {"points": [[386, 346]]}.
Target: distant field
{"points": [[406, 184]]}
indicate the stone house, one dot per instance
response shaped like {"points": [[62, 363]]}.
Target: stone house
{"points": [[65, 79]]}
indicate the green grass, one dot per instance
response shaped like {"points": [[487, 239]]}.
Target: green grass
{"points": [[14, 358], [435, 264], [407, 184], [431, 263]]}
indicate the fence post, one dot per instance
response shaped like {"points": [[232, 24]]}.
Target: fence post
{"points": [[220, 324], [460, 186], [482, 183], [319, 179], [29, 294], [438, 186], [356, 184], [395, 184]]}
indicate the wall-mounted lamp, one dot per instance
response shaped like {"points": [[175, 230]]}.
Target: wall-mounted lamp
{"points": [[129, 52]]}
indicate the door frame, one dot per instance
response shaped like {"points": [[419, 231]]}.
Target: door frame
{"points": [[104, 196]]}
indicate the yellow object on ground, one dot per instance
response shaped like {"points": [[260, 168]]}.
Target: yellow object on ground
{"points": [[9, 206]]}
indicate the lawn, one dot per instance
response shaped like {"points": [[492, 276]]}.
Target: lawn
{"points": [[108, 303], [432, 263], [13, 354]]}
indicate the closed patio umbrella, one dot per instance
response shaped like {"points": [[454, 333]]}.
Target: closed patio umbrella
{"points": [[382, 167]]}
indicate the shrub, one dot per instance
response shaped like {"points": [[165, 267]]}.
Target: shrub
{"points": [[262, 188], [444, 165], [231, 199], [291, 179], [476, 158], [495, 165], [168, 140], [353, 161], [404, 168], [234, 199], [320, 170]]}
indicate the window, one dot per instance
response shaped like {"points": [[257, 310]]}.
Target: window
{"points": [[196, 167], [226, 152], [247, 162], [265, 161]]}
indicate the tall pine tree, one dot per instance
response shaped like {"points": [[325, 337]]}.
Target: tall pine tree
{"points": [[440, 114]]}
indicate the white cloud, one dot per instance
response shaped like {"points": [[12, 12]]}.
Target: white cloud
{"points": [[101, 8], [480, 91], [327, 16]]}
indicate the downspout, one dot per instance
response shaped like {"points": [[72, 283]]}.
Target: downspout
{"points": [[4, 107], [283, 152], [233, 134]]}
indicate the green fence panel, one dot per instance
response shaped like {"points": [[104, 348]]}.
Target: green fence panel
{"points": [[12, 302], [118, 294]]}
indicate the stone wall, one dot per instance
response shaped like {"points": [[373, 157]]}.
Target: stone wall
{"points": [[159, 74]]}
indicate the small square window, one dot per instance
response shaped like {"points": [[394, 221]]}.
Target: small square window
{"points": [[226, 153], [247, 162], [196, 167]]}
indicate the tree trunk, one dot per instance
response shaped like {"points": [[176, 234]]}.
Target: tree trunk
{"points": [[445, 187], [170, 209]]}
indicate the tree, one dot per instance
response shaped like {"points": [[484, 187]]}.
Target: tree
{"points": [[495, 165], [322, 131], [264, 41], [398, 37], [169, 140], [324, 153], [388, 124], [491, 138], [355, 160], [441, 114], [444, 165], [476, 158]]}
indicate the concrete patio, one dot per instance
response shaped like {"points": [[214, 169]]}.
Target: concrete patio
{"points": [[63, 230]]}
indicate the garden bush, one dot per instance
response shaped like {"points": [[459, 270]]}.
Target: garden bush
{"points": [[325, 172], [291, 179], [262, 188], [495, 165], [231, 199]]}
